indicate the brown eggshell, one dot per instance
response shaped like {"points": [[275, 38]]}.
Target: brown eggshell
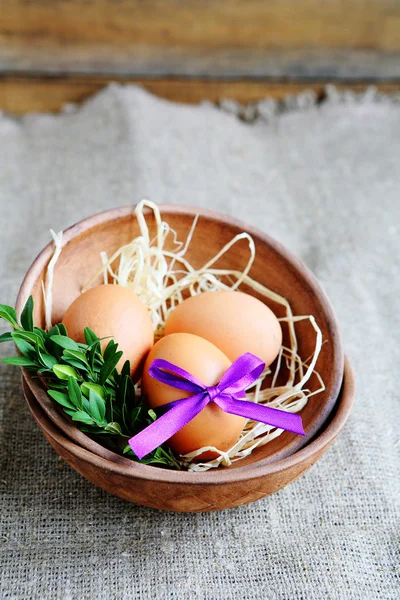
{"points": [[212, 426], [117, 313], [233, 321]]}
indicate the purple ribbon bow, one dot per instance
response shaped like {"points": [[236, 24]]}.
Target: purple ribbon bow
{"points": [[227, 395]]}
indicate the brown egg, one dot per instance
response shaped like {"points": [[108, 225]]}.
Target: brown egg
{"points": [[234, 322], [116, 312], [212, 426]]}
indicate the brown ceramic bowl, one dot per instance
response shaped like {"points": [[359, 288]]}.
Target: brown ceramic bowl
{"points": [[274, 267], [193, 492]]}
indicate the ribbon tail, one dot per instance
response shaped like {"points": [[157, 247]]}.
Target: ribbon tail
{"points": [[265, 414], [167, 425]]}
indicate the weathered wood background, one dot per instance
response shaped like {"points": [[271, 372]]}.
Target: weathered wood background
{"points": [[52, 51]]}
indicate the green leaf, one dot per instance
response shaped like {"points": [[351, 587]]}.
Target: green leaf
{"points": [[65, 342], [24, 347], [46, 360], [40, 333], [152, 415], [131, 393], [70, 412], [61, 399], [55, 384], [82, 417], [27, 315], [19, 361], [161, 456], [77, 354], [62, 329], [83, 346], [74, 392], [64, 372], [53, 331], [85, 404], [53, 348], [137, 420], [92, 353], [126, 400], [94, 430], [75, 363], [108, 367], [8, 314], [97, 406], [29, 336], [86, 384], [86, 387], [113, 428], [6, 337], [121, 395], [90, 336], [97, 364], [110, 350], [126, 369], [44, 371]]}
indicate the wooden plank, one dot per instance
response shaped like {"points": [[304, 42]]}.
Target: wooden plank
{"points": [[232, 38], [20, 95]]}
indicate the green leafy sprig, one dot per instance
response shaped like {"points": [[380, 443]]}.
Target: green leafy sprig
{"points": [[84, 381]]}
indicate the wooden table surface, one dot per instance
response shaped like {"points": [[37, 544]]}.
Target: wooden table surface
{"points": [[58, 51]]}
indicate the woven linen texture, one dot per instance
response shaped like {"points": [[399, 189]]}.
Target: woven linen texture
{"points": [[325, 181]]}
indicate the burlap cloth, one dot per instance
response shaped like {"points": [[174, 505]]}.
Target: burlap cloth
{"points": [[325, 181]]}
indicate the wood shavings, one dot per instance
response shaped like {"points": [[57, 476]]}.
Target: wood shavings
{"points": [[47, 287], [162, 277]]}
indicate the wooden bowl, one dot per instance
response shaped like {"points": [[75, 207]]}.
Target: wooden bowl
{"points": [[274, 267], [193, 492]]}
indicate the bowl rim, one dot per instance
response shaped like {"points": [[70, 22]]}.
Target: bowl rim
{"points": [[221, 475], [294, 263]]}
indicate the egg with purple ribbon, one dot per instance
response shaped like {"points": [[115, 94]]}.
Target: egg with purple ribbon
{"points": [[212, 426]]}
